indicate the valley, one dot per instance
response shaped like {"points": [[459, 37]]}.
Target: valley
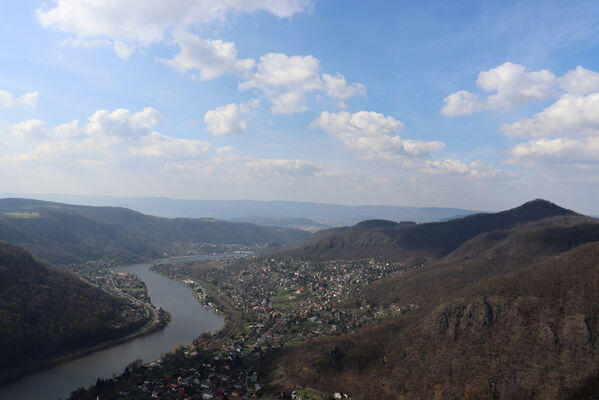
{"points": [[377, 310], [392, 327]]}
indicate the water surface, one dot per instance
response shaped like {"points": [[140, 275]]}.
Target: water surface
{"points": [[188, 320]]}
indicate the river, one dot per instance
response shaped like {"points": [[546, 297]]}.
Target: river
{"points": [[188, 320]]}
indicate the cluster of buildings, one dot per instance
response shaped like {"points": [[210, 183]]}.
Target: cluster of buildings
{"points": [[286, 301], [270, 303]]}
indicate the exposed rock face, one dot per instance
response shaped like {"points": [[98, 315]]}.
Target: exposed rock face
{"points": [[472, 319]]}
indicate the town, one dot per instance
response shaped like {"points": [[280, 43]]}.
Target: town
{"points": [[269, 303]]}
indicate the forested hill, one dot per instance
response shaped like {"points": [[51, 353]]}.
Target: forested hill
{"points": [[62, 233], [386, 239], [509, 314], [45, 313]]}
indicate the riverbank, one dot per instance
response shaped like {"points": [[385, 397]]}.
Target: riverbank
{"points": [[74, 372], [154, 321], [148, 328], [216, 302]]}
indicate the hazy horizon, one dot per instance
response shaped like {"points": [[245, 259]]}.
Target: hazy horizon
{"points": [[477, 105]]}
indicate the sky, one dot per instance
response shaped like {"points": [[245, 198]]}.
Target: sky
{"points": [[471, 104]]}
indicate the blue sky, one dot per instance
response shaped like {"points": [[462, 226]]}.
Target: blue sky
{"points": [[472, 104]]}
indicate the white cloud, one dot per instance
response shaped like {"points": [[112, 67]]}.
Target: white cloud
{"points": [[29, 99], [444, 167], [476, 169], [337, 87], [580, 81], [69, 130], [288, 103], [461, 103], [212, 58], [123, 50], [142, 22], [372, 136], [277, 69], [227, 119], [7, 99], [156, 145], [515, 86], [121, 122], [571, 115], [512, 84], [285, 80], [29, 128], [362, 123], [282, 167], [556, 151], [109, 136]]}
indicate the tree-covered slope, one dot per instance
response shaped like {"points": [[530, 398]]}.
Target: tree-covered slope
{"points": [[63, 233], [509, 314], [386, 239], [45, 313]]}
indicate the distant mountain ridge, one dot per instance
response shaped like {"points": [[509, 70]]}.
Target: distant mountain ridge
{"points": [[63, 233], [322, 213], [380, 238]]}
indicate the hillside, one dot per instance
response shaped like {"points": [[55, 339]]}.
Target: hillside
{"points": [[509, 314], [385, 239], [62, 233], [328, 214], [45, 313]]}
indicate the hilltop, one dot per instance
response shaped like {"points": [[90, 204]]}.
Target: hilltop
{"points": [[64, 233], [509, 313], [386, 239]]}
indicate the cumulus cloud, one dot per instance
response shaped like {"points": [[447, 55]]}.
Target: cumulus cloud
{"points": [[142, 22], [108, 136], [571, 115], [288, 103], [281, 167], [566, 132], [7, 99], [362, 123], [122, 122], [212, 58], [512, 85], [227, 119], [461, 103], [277, 69], [157, 145], [475, 169], [373, 136], [285, 80], [29, 128], [29, 99], [338, 88], [580, 81], [556, 151]]}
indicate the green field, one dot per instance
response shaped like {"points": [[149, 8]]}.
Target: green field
{"points": [[22, 215]]}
